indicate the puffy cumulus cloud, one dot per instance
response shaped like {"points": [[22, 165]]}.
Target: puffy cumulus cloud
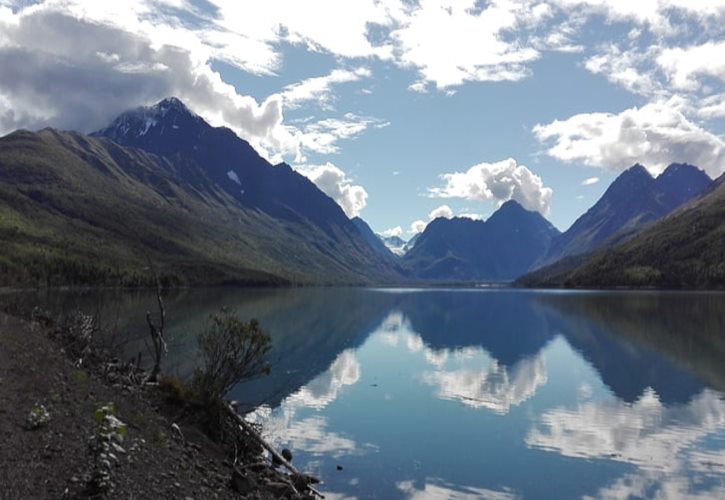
{"points": [[442, 211], [337, 185], [655, 135], [393, 231], [76, 64], [501, 181], [590, 181], [452, 43], [418, 226]]}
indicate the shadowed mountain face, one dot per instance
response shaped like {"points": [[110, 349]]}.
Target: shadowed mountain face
{"points": [[500, 249], [633, 200], [195, 201], [683, 250], [372, 239], [169, 129]]}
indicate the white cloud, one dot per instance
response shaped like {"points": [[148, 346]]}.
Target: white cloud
{"points": [[501, 181], [683, 65], [417, 226], [393, 231], [76, 64], [452, 43], [319, 88], [470, 215], [628, 68], [322, 136], [590, 181], [310, 24], [711, 107], [655, 135], [335, 184], [442, 211]]}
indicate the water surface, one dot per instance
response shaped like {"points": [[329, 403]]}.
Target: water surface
{"points": [[479, 393]]}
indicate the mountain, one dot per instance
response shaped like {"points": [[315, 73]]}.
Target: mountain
{"points": [[686, 249], [372, 238], [171, 130], [500, 249], [395, 244], [411, 243], [162, 188], [632, 201]]}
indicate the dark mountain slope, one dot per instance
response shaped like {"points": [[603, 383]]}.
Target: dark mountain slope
{"points": [[171, 130], [684, 250], [632, 201], [500, 249], [372, 239], [81, 210]]}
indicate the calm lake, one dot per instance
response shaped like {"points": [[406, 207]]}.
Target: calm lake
{"points": [[488, 393]]}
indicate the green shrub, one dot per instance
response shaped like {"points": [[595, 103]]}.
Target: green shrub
{"points": [[231, 350]]}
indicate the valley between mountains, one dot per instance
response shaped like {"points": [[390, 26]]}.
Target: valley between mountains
{"points": [[161, 192]]}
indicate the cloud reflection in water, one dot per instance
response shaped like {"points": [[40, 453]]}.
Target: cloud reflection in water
{"points": [[495, 388], [663, 442]]}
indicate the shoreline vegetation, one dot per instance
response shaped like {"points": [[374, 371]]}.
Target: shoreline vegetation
{"points": [[80, 423]]}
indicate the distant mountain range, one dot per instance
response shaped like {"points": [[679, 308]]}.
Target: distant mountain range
{"points": [[461, 249], [395, 244], [162, 188], [160, 191]]}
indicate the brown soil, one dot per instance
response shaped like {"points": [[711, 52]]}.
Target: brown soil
{"points": [[55, 461]]}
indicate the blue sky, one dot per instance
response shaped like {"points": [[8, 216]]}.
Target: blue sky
{"points": [[400, 110]]}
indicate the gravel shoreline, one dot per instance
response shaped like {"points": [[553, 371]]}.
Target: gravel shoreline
{"points": [[55, 460]]}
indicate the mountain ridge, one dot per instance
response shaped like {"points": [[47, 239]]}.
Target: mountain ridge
{"points": [[497, 250], [682, 250], [633, 200], [124, 206]]}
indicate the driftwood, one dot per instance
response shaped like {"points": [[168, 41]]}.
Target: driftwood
{"points": [[157, 333], [249, 429]]}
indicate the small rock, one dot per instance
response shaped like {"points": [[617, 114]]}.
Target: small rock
{"points": [[339, 467]]}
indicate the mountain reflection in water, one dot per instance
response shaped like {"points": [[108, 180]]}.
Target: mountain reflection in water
{"points": [[478, 393]]}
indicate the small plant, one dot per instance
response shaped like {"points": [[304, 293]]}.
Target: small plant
{"points": [[37, 418], [231, 351], [173, 388], [106, 444]]}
